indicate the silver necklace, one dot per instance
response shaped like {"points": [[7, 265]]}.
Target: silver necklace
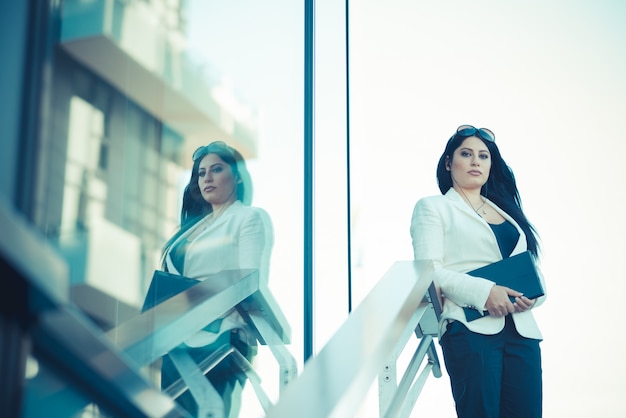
{"points": [[480, 207], [208, 220], [212, 217], [472, 206]]}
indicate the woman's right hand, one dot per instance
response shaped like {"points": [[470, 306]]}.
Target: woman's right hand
{"points": [[498, 303]]}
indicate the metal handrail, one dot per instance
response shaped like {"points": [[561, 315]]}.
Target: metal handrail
{"points": [[162, 330], [78, 364], [150, 335], [64, 343], [335, 382], [398, 399]]}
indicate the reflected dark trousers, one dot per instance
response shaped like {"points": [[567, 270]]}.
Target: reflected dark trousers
{"points": [[223, 376], [493, 376]]}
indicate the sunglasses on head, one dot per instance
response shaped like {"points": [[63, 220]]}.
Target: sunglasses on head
{"points": [[206, 149], [469, 130]]}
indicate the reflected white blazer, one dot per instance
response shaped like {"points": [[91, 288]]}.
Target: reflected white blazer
{"points": [[446, 231], [241, 238]]}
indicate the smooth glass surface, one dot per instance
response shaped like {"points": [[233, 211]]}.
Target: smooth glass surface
{"points": [[256, 51], [138, 85], [547, 78]]}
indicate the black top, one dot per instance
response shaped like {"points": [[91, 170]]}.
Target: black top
{"points": [[507, 236], [177, 254]]}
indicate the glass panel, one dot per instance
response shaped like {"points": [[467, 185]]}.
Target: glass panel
{"points": [[252, 53], [412, 83], [547, 78], [137, 87]]}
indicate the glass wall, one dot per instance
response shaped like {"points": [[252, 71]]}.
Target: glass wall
{"points": [[546, 77], [137, 86]]}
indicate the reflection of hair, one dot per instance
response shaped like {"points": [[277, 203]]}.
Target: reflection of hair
{"points": [[500, 187], [194, 206]]}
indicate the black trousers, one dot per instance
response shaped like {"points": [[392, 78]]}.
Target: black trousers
{"points": [[493, 376], [223, 376]]}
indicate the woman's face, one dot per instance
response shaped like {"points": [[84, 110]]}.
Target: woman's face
{"points": [[217, 182], [470, 165]]}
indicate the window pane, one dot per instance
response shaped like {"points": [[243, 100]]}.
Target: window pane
{"points": [[137, 87]]}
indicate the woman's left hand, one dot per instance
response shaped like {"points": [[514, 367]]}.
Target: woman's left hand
{"points": [[522, 303]]}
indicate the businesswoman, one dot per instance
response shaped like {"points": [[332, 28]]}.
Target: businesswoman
{"points": [[219, 231], [494, 362]]}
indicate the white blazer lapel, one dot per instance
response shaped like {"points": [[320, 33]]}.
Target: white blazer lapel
{"points": [[458, 201]]}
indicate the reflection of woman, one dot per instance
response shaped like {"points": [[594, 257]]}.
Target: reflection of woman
{"points": [[219, 231], [494, 362]]}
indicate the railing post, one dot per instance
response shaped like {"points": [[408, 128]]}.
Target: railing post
{"points": [[387, 386], [209, 401]]}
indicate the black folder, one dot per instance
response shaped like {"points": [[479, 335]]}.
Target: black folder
{"points": [[517, 272], [163, 286]]}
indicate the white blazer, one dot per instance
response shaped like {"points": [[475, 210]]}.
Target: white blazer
{"points": [[241, 238], [446, 231]]}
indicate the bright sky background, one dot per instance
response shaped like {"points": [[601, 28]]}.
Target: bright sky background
{"points": [[546, 77]]}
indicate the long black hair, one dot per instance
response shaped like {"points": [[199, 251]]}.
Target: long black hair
{"points": [[194, 207], [500, 187]]}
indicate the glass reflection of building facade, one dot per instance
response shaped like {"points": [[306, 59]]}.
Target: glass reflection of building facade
{"points": [[127, 106], [110, 105], [105, 101]]}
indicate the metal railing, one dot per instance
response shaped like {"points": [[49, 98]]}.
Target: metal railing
{"points": [[398, 399], [161, 331], [71, 366], [79, 365], [335, 382], [66, 360]]}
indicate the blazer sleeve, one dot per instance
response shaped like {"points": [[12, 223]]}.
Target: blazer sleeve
{"points": [[428, 233]]}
